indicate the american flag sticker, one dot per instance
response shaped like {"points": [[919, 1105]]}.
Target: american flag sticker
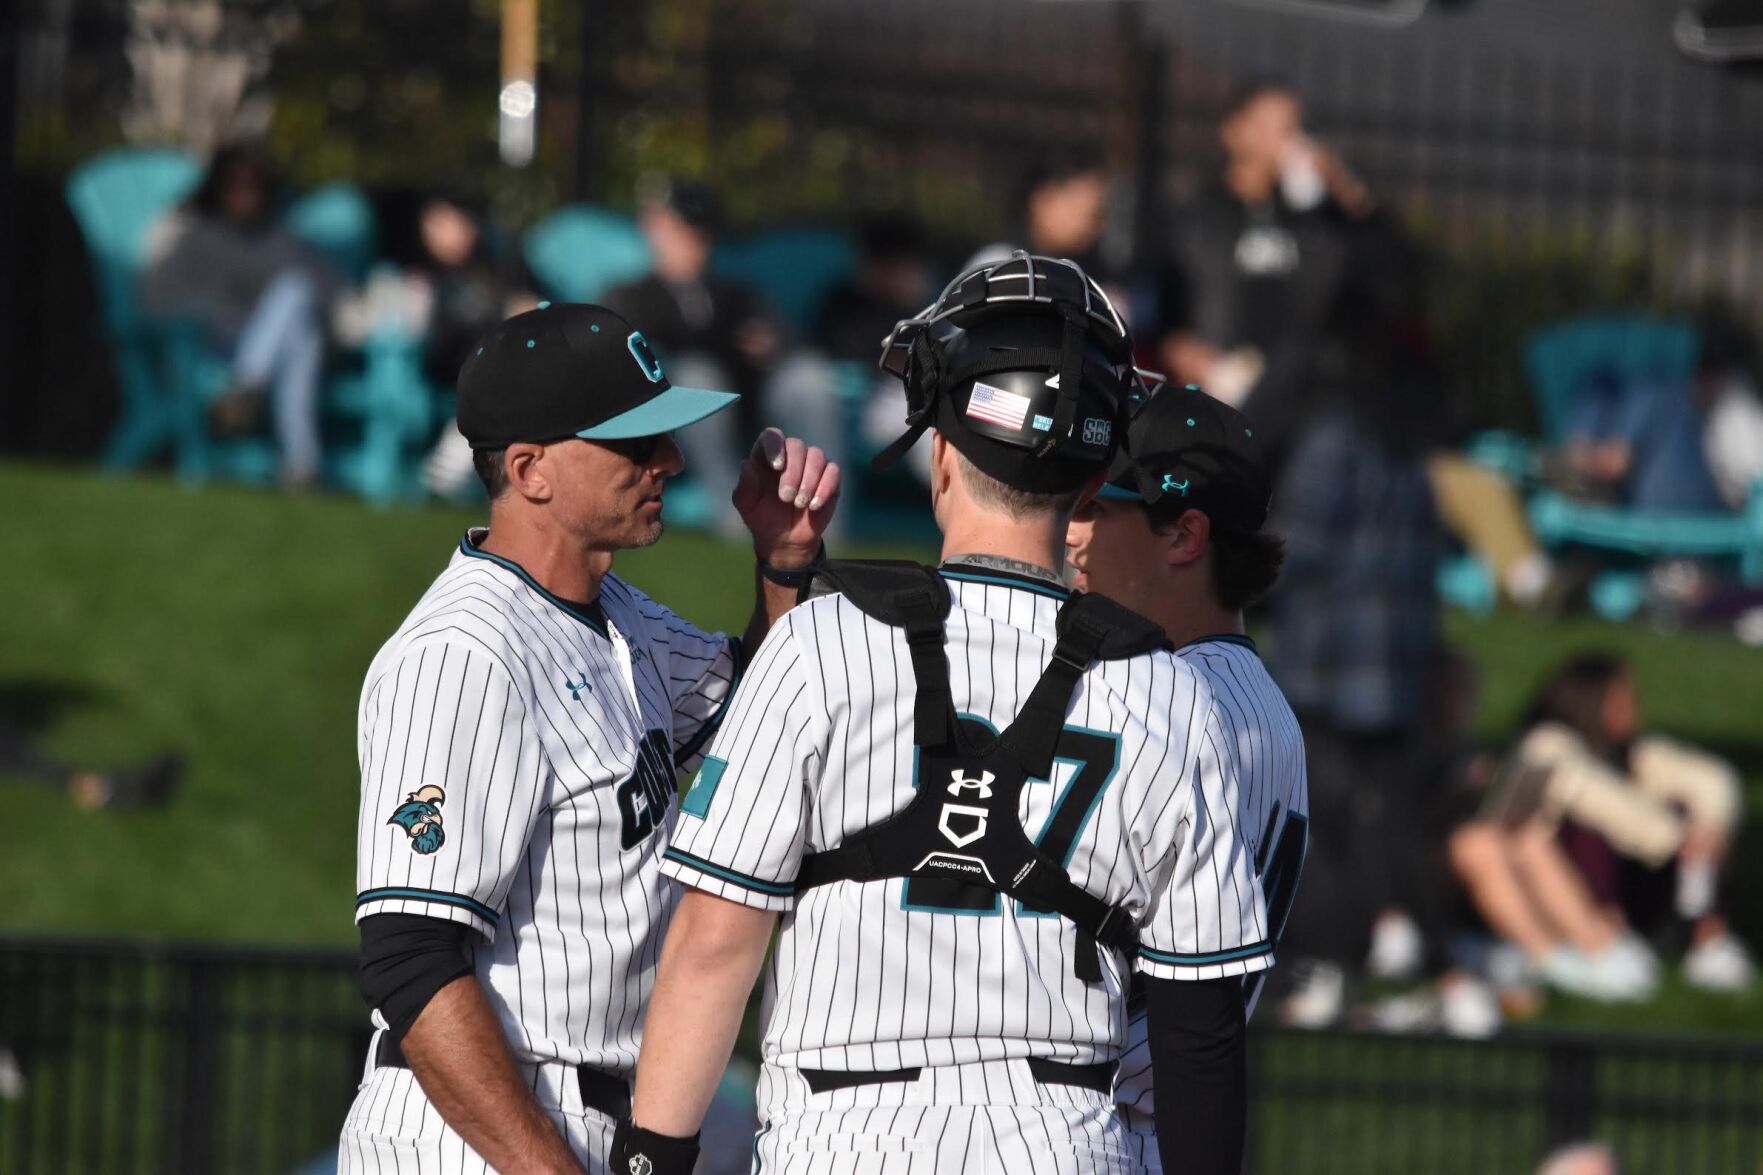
{"points": [[997, 406]]}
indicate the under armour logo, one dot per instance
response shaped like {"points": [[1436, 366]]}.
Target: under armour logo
{"points": [[640, 1165], [1170, 484], [576, 687], [959, 783]]}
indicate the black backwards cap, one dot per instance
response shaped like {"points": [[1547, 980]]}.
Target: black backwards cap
{"points": [[1024, 366], [571, 369], [1187, 451]]}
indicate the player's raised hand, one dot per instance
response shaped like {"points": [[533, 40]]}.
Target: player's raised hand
{"points": [[786, 495]]}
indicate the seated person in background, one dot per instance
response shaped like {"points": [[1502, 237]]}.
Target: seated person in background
{"points": [[1512, 868], [1630, 806], [1725, 392], [1638, 442], [715, 333], [446, 289], [1063, 212], [892, 282], [223, 259]]}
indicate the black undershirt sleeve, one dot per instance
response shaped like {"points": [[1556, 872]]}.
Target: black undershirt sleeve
{"points": [[405, 960], [1199, 1066]]}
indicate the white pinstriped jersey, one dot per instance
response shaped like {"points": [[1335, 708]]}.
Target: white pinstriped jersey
{"points": [[819, 745], [518, 759], [1261, 752]]}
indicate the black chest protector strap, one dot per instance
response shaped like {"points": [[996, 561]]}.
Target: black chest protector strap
{"points": [[961, 831]]}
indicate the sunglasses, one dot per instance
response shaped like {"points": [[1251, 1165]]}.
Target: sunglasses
{"points": [[636, 450]]}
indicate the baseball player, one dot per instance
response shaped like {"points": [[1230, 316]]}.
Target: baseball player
{"points": [[519, 738], [978, 802], [1176, 534]]}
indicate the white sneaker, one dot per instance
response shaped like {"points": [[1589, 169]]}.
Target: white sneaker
{"points": [[1319, 997], [1638, 956], [1720, 964], [1468, 1009], [1608, 976], [13, 1086], [1397, 949]]}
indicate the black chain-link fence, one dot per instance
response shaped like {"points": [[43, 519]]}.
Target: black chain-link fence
{"points": [[214, 1059]]}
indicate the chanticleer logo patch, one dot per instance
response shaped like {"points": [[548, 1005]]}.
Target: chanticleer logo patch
{"points": [[420, 817]]}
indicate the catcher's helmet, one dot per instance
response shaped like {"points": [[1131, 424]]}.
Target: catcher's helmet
{"points": [[1024, 366]]}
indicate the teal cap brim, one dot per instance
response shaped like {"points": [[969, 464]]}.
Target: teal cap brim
{"points": [[674, 408], [1115, 493]]}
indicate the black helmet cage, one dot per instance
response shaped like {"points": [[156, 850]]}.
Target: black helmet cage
{"points": [[914, 350]]}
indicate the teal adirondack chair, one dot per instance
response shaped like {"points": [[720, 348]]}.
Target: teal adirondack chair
{"points": [[1559, 360], [115, 198], [378, 413], [579, 252], [338, 221]]}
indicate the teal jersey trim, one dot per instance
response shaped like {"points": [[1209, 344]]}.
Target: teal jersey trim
{"points": [[1253, 950], [697, 801], [395, 893], [575, 610], [743, 880], [1004, 579], [1225, 638]]}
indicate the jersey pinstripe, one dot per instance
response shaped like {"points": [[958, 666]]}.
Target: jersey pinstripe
{"points": [[1260, 750], [818, 745], [518, 757]]}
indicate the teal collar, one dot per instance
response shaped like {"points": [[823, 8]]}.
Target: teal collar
{"points": [[590, 614], [1225, 638]]}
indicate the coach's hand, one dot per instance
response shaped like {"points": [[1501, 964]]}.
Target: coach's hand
{"points": [[786, 495]]}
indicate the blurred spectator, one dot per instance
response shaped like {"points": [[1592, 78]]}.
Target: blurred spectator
{"points": [[1726, 393], [224, 260], [1063, 212], [1260, 256], [1511, 865], [1354, 625], [1648, 820], [715, 333], [1638, 442], [147, 786], [446, 288], [892, 282]]}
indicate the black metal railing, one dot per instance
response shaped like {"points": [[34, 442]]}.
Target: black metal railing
{"points": [[193, 1059], [187, 1059]]}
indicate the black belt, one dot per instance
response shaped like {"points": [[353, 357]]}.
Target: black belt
{"points": [[600, 1091], [1099, 1077]]}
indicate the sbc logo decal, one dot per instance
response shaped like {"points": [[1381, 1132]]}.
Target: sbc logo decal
{"points": [[420, 818]]}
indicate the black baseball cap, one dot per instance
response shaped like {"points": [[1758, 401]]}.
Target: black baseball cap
{"points": [[1187, 451], [571, 369]]}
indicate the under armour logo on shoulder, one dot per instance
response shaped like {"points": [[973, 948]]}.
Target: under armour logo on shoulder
{"points": [[575, 687], [1170, 485]]}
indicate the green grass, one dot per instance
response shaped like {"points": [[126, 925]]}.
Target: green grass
{"points": [[235, 626]]}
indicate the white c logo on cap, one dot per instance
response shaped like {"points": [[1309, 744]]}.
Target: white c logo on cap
{"points": [[639, 347]]}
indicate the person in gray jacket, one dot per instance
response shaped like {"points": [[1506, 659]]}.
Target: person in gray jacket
{"points": [[223, 259]]}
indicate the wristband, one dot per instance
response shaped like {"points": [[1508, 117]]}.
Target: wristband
{"points": [[644, 1152], [794, 577]]}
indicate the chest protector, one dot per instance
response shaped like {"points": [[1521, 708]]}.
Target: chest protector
{"points": [[960, 839]]}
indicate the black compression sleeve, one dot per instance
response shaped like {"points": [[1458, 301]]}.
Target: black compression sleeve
{"points": [[1199, 1067], [405, 960]]}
